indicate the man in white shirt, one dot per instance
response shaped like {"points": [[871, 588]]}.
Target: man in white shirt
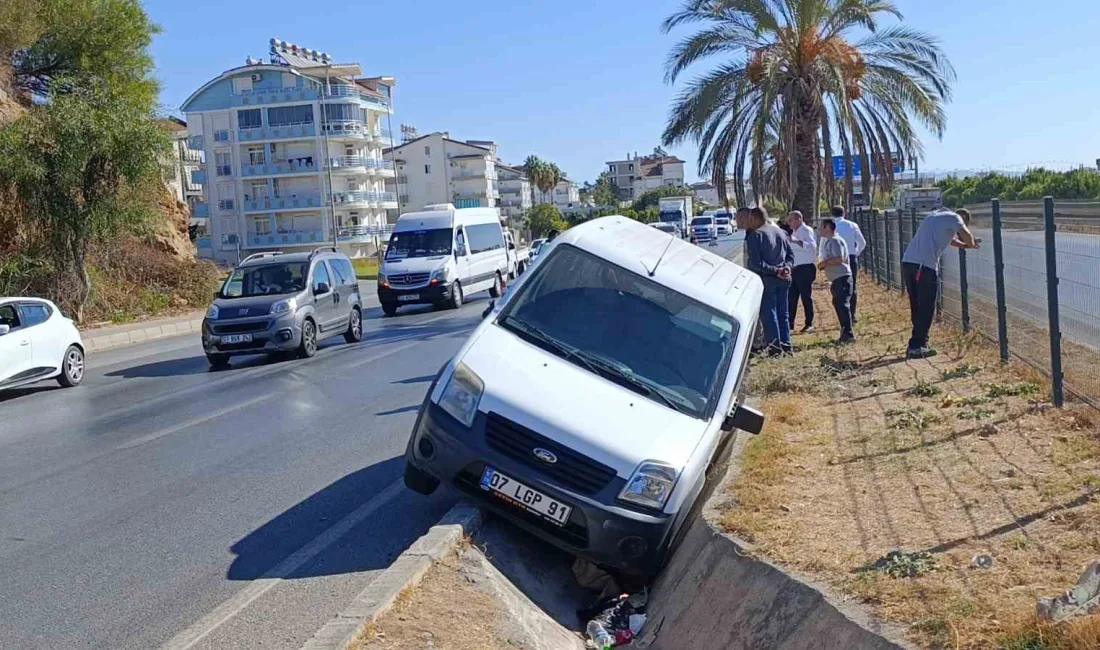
{"points": [[804, 272], [849, 231]]}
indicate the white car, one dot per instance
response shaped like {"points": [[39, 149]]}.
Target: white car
{"points": [[589, 404], [37, 342]]}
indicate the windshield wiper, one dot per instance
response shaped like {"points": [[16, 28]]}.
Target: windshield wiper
{"points": [[536, 335], [624, 375]]}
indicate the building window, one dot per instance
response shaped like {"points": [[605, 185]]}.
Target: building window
{"points": [[290, 81], [284, 115], [631, 167], [249, 119], [242, 85], [223, 163], [612, 169], [261, 226], [226, 194], [256, 155], [427, 169], [343, 113], [427, 150]]}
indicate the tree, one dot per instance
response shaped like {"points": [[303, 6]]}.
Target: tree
{"points": [[652, 198], [603, 192], [543, 218], [80, 164], [798, 68]]}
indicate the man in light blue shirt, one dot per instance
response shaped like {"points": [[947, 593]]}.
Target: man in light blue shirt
{"points": [[920, 267]]}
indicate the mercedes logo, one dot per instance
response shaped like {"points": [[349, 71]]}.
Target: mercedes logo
{"points": [[408, 279], [545, 455]]}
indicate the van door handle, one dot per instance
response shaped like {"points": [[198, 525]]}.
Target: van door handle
{"points": [[24, 342]]}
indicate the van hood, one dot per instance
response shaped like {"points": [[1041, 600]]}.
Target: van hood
{"points": [[562, 401], [251, 306], [414, 264]]}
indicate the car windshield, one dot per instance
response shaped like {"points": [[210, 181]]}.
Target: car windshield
{"points": [[722, 221], [701, 221], [266, 280], [625, 328], [420, 243]]}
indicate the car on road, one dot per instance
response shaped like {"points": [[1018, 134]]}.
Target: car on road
{"points": [[536, 248], [723, 225], [519, 255], [38, 342], [702, 229], [591, 402], [442, 254], [668, 228], [283, 302]]}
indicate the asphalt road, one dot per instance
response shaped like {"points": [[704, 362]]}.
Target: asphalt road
{"points": [[165, 504]]}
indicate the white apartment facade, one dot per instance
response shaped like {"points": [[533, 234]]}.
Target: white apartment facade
{"points": [[565, 195], [636, 174], [185, 161], [515, 191], [293, 154], [436, 169]]}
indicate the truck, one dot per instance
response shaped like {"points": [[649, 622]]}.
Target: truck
{"points": [[676, 210], [922, 199], [519, 254]]}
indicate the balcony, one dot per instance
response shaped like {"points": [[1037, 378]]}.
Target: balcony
{"points": [[369, 199], [349, 129], [262, 96], [466, 176], [513, 203], [198, 176], [200, 211], [286, 238], [340, 90], [363, 234], [296, 202], [282, 132], [306, 166]]}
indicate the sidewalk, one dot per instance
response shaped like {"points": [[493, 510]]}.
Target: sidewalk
{"points": [[117, 336]]}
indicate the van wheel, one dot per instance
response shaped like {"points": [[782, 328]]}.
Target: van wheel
{"points": [[495, 290], [308, 347], [456, 295], [355, 327], [389, 308], [420, 481]]}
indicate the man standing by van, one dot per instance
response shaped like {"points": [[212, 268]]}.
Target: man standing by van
{"points": [[920, 266], [852, 235], [769, 255], [804, 245]]}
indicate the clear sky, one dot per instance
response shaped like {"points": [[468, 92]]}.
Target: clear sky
{"points": [[579, 82]]}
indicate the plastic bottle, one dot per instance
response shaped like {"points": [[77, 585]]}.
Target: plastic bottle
{"points": [[600, 636]]}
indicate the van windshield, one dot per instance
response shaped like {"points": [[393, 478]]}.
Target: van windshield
{"points": [[419, 243], [702, 221], [722, 221], [625, 328], [266, 280]]}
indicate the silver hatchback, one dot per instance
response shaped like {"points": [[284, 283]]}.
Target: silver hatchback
{"points": [[283, 302]]}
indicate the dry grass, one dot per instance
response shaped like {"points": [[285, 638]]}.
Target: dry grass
{"points": [[865, 453]]}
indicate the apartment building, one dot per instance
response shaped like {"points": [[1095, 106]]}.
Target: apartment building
{"points": [[435, 168], [636, 174], [293, 151], [515, 191], [185, 161], [565, 195]]}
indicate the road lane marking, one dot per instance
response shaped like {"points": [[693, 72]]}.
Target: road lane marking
{"points": [[239, 602], [190, 423]]}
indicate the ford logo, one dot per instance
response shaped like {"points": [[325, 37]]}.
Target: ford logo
{"points": [[545, 455]]}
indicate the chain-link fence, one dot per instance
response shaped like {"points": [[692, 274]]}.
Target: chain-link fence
{"points": [[1033, 286]]}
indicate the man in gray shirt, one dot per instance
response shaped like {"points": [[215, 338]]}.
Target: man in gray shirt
{"points": [[920, 267], [836, 264]]}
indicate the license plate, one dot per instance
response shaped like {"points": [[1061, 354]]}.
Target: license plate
{"points": [[524, 497], [237, 338], [408, 296]]}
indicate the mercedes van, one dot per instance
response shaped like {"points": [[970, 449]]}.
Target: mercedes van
{"points": [[442, 254]]}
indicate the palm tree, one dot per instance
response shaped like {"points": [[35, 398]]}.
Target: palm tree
{"points": [[536, 170], [550, 179], [805, 72]]}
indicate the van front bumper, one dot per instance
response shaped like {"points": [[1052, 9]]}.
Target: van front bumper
{"points": [[269, 334], [599, 527], [426, 295]]}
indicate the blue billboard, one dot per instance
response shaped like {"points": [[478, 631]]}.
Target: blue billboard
{"points": [[840, 166]]}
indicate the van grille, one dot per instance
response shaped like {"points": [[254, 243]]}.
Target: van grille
{"points": [[408, 279], [573, 470], [241, 328]]}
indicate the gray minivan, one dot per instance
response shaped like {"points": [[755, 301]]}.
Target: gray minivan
{"points": [[283, 302]]}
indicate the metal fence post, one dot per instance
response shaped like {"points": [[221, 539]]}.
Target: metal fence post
{"points": [[999, 273], [886, 248], [1052, 302], [874, 252], [964, 291]]}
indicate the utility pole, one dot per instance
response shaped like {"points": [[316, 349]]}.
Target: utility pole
{"points": [[327, 157]]}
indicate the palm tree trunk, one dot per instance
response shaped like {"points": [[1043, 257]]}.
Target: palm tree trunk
{"points": [[806, 156]]}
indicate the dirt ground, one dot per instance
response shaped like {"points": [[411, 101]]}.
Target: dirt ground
{"points": [[463, 603], [944, 459]]}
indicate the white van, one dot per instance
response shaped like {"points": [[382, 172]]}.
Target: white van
{"points": [[442, 254], [592, 400]]}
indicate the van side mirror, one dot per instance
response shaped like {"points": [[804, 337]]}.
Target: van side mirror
{"points": [[4, 329], [321, 288], [489, 309], [745, 418]]}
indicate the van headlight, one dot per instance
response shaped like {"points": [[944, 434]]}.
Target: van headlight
{"points": [[650, 485], [284, 306], [212, 313], [440, 275], [462, 395]]}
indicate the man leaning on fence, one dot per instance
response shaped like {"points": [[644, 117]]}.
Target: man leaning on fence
{"points": [[852, 235], [920, 267]]}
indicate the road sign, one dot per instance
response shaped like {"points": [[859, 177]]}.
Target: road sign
{"points": [[840, 165]]}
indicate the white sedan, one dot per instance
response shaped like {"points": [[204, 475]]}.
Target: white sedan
{"points": [[37, 342]]}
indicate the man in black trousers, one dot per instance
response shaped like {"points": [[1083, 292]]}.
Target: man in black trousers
{"points": [[850, 232], [804, 245]]}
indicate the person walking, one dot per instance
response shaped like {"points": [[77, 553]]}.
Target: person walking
{"points": [[852, 235], [920, 267], [835, 262], [769, 255], [804, 245]]}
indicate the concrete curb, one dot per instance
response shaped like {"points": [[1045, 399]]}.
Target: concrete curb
{"points": [[110, 338], [405, 572]]}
